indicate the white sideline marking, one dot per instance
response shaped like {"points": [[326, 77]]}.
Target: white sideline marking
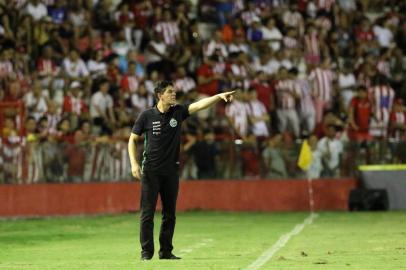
{"points": [[200, 244], [267, 255]]}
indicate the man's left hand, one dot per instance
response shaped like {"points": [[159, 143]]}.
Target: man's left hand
{"points": [[227, 96]]}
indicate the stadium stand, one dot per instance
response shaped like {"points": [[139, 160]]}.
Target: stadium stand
{"points": [[79, 72]]}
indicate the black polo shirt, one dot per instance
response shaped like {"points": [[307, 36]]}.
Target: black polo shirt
{"points": [[162, 137]]}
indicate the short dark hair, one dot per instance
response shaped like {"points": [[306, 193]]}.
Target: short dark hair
{"points": [[362, 88], [30, 118], [380, 79], [332, 127], [294, 71], [103, 80], [161, 86]]}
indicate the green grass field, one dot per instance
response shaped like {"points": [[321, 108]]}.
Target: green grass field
{"points": [[210, 240]]}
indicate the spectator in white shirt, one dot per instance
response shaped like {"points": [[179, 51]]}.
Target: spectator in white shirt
{"points": [[169, 28], [257, 114], [95, 64], [272, 35], [35, 101], [238, 45], [284, 58], [121, 46], [75, 68], [316, 167], [237, 114], [330, 149], [141, 99], [293, 18], [266, 63], [36, 9], [348, 6], [346, 85], [288, 93], [101, 108], [79, 17], [311, 9], [383, 33], [250, 14], [216, 46], [307, 113], [273, 158], [157, 55], [184, 83]]}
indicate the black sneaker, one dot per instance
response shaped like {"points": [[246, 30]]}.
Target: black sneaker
{"points": [[146, 257], [169, 257]]}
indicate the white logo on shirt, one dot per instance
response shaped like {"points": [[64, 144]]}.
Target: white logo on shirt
{"points": [[173, 122], [156, 128]]}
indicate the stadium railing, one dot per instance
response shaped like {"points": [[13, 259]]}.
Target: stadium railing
{"points": [[105, 159]]}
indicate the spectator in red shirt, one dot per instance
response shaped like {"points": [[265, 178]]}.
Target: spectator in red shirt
{"points": [[73, 104], [359, 114], [264, 89], [364, 37], [364, 32], [142, 13], [130, 82], [13, 91], [397, 124], [102, 18], [113, 72], [208, 83], [397, 131], [8, 128], [125, 20], [64, 133], [46, 65], [77, 153], [249, 155]]}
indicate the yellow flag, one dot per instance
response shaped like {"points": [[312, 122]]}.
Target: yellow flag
{"points": [[305, 156]]}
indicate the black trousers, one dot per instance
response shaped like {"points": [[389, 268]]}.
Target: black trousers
{"points": [[166, 185]]}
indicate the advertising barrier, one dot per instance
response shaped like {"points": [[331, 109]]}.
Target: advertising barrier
{"points": [[224, 195]]}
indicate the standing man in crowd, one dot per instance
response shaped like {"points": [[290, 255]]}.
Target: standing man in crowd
{"points": [[159, 170]]}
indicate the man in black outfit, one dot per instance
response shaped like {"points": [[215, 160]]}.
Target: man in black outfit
{"points": [[159, 170]]}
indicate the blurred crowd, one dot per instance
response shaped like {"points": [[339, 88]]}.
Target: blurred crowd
{"points": [[75, 75]]}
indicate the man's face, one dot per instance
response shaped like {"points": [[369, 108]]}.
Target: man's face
{"points": [[75, 91], [37, 90], [168, 96], [271, 23], [167, 15], [331, 132], [74, 56], [104, 88], [52, 107], [131, 68], [86, 128], [181, 72], [365, 25], [48, 52], [253, 95], [362, 94], [30, 125]]}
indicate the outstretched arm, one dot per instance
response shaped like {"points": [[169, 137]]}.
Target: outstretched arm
{"points": [[207, 102]]}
